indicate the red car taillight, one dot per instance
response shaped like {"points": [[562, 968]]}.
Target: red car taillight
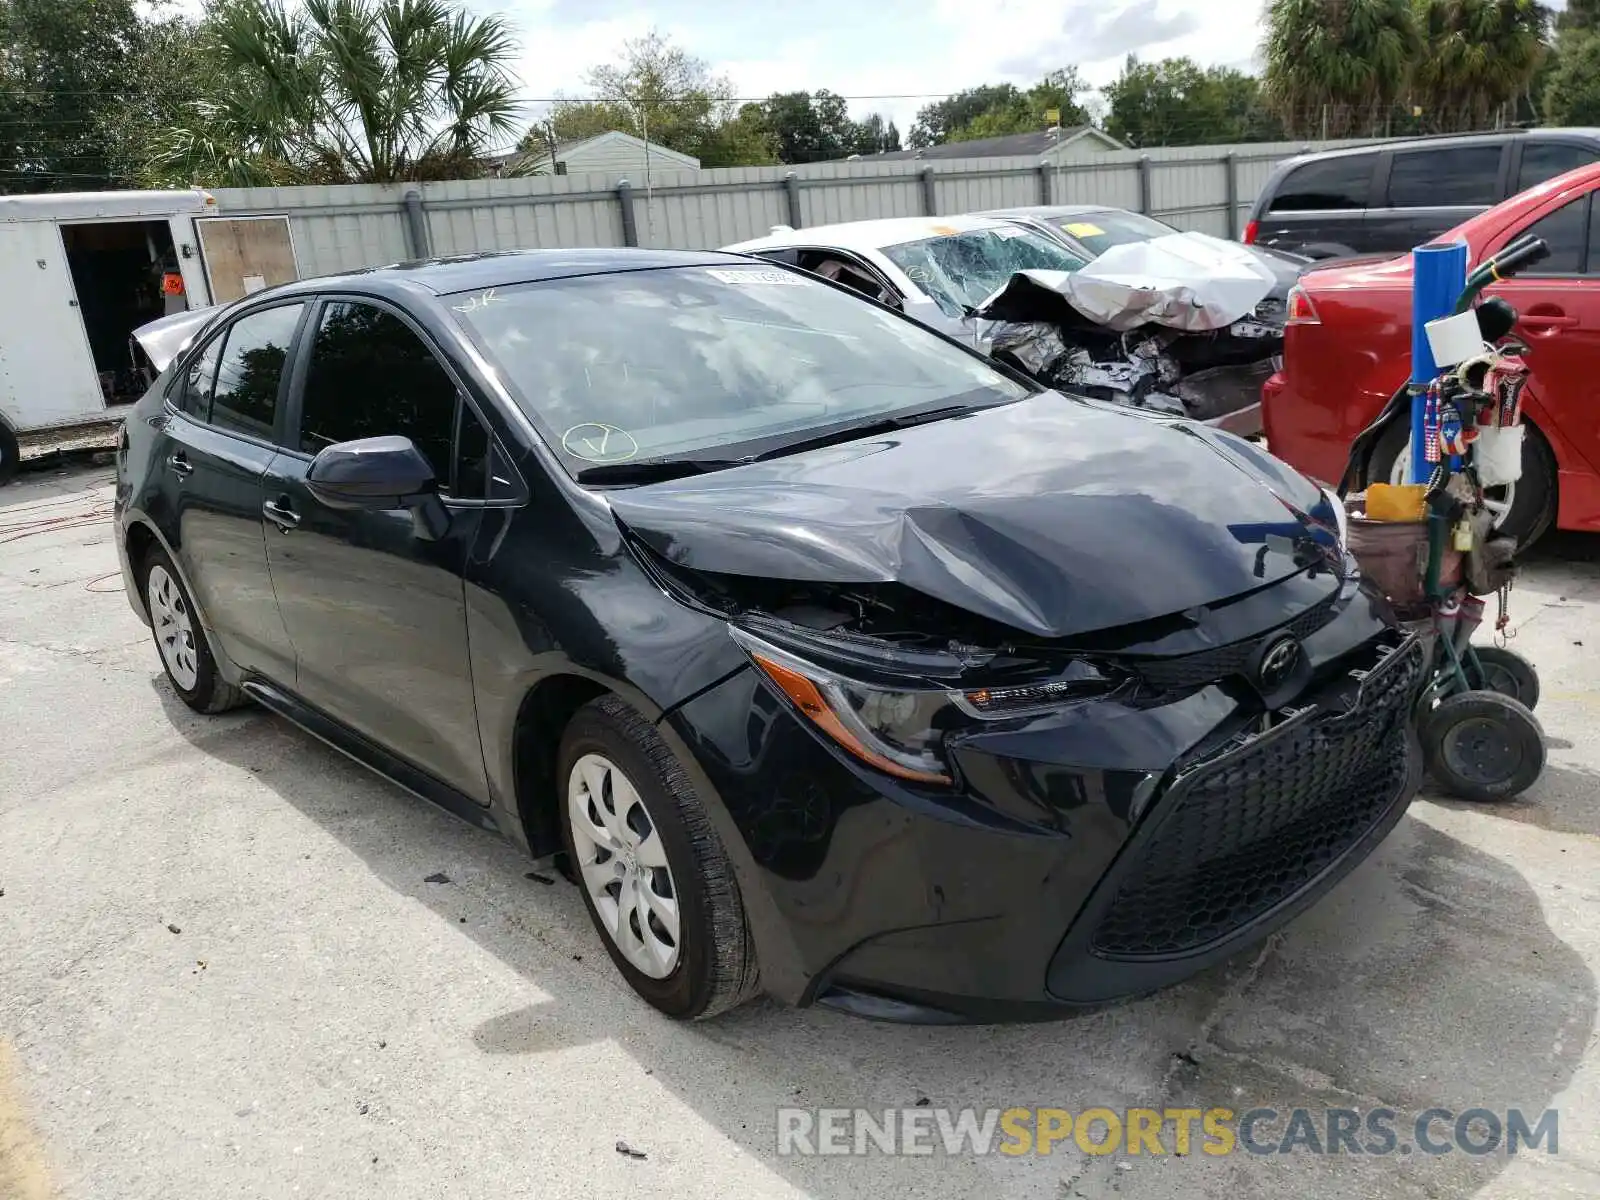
{"points": [[1301, 310], [1252, 230]]}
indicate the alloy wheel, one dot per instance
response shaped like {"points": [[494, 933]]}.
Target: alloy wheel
{"points": [[623, 863], [174, 626]]}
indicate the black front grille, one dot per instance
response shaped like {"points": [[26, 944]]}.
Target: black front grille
{"points": [[1250, 829], [1208, 666]]}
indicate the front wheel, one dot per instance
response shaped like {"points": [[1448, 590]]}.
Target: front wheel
{"points": [[653, 873], [1482, 746], [1522, 510]]}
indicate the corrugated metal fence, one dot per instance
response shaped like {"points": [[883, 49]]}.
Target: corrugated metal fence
{"points": [[1208, 188]]}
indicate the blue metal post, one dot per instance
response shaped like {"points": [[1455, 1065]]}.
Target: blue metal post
{"points": [[1438, 273]]}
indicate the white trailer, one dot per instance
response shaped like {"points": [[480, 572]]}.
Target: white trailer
{"points": [[78, 273]]}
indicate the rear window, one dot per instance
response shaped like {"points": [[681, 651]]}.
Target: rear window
{"points": [[1546, 160], [1327, 183], [1458, 176]]}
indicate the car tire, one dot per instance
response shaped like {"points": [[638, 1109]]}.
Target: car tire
{"points": [[1533, 505], [10, 454], [180, 638], [639, 841]]}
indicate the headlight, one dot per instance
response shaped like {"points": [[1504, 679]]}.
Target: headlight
{"points": [[902, 731]]}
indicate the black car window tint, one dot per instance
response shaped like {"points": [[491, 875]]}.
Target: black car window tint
{"points": [[1566, 232], [246, 395], [1328, 183], [371, 376], [1546, 160], [1458, 176], [198, 381]]}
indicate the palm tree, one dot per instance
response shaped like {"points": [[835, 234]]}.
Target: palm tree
{"points": [[345, 91], [1335, 67], [1479, 55]]}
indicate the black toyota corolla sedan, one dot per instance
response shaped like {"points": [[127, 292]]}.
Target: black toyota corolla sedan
{"points": [[835, 661]]}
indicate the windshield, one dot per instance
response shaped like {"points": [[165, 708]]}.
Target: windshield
{"points": [[1097, 232], [962, 270], [691, 361]]}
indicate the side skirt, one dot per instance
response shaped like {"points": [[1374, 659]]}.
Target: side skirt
{"points": [[369, 754]]}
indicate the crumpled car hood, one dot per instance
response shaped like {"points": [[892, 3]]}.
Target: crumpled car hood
{"points": [[1051, 515], [163, 340], [1185, 281]]}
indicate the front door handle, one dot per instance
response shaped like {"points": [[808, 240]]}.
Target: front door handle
{"points": [[280, 514], [181, 466]]}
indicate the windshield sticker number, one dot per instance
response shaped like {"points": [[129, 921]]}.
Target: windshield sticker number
{"points": [[474, 303], [1083, 229], [747, 275], [597, 443]]}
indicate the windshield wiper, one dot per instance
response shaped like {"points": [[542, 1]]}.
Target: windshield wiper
{"points": [[654, 470], [847, 433]]}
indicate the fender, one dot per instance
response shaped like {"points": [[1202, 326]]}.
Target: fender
{"points": [[126, 521]]}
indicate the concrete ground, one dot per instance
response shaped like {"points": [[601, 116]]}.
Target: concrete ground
{"points": [[223, 971]]}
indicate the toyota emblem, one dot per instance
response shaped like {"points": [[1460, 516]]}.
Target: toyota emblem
{"points": [[1278, 664]]}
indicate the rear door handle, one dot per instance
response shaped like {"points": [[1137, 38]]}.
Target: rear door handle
{"points": [[181, 466], [284, 517]]}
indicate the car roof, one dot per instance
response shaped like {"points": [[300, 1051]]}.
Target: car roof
{"points": [[870, 235], [475, 272], [1574, 133]]}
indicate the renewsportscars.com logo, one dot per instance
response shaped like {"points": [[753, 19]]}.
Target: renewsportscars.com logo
{"points": [[1154, 1131]]}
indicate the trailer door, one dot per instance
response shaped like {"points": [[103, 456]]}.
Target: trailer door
{"points": [[47, 374]]}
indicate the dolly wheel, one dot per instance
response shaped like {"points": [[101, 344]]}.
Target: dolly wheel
{"points": [[1507, 672], [1483, 746]]}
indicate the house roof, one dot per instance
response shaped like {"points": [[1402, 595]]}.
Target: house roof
{"points": [[567, 150], [1040, 141]]}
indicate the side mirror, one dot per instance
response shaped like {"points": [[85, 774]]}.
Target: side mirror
{"points": [[380, 474]]}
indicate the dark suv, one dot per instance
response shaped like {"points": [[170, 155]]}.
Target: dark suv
{"points": [[1389, 197], [810, 637]]}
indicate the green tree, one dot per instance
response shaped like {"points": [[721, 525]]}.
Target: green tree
{"points": [[63, 66], [1579, 15], [1336, 67], [171, 62], [1572, 95], [659, 92], [1479, 56], [995, 110], [345, 91], [1175, 102], [817, 126]]}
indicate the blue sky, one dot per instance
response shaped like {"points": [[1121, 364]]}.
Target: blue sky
{"points": [[914, 50]]}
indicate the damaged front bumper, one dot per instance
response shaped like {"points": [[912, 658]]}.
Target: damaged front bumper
{"points": [[1080, 857]]}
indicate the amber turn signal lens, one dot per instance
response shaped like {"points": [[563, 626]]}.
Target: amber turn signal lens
{"points": [[810, 700]]}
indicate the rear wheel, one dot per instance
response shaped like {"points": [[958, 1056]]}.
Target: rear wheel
{"points": [[653, 873], [1523, 510], [10, 454], [181, 641]]}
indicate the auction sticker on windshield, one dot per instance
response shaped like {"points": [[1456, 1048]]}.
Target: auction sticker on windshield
{"points": [[598, 443], [746, 275], [1084, 229]]}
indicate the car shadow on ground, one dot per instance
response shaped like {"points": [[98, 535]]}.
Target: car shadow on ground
{"points": [[1428, 978]]}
